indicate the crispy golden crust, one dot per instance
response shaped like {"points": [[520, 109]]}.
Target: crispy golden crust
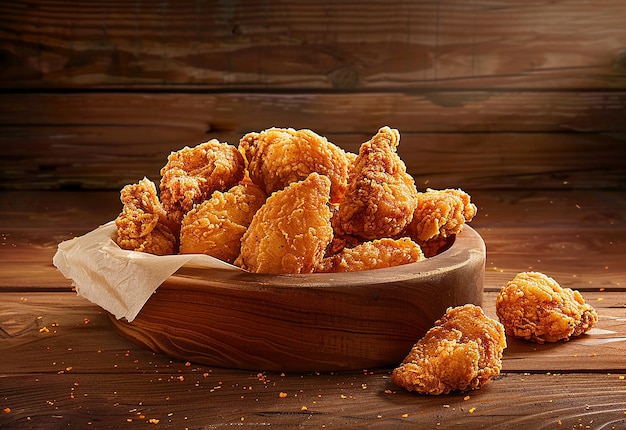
{"points": [[381, 196], [143, 224], [215, 226], [290, 232], [376, 254], [191, 175], [279, 156], [463, 351], [440, 214], [535, 307]]}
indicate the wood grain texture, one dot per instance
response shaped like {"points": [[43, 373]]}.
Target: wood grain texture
{"points": [[508, 95], [74, 331], [182, 397], [470, 140], [340, 45], [84, 373]]}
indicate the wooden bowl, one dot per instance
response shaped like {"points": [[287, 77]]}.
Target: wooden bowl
{"points": [[315, 322]]}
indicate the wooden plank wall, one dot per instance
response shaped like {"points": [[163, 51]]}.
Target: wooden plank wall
{"points": [[487, 94]]}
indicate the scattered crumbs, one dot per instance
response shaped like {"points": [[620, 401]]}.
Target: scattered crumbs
{"points": [[181, 378], [364, 386], [304, 408], [600, 299], [387, 391], [621, 377], [187, 364], [466, 398], [282, 395], [343, 396], [446, 406], [601, 289], [44, 329], [86, 320], [153, 421], [405, 415], [6, 410], [559, 422], [380, 416], [472, 410]]}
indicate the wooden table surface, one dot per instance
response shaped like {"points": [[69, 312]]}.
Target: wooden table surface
{"points": [[62, 364]]}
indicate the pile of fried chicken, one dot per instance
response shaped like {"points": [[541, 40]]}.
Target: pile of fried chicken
{"points": [[290, 201]]}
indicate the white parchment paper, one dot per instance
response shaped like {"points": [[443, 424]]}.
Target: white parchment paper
{"points": [[118, 280]]}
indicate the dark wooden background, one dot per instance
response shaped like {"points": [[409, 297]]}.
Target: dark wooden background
{"points": [[486, 94]]}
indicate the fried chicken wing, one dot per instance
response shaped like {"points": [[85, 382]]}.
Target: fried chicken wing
{"points": [[215, 226], [290, 232], [533, 306], [381, 196], [376, 254], [462, 352], [191, 175], [439, 216], [277, 157], [143, 224]]}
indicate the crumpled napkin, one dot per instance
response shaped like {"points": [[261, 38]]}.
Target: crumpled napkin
{"points": [[118, 280]]}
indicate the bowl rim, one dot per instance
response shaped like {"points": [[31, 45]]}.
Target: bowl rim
{"points": [[468, 244]]}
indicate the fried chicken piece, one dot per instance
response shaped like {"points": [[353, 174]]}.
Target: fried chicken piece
{"points": [[215, 226], [462, 352], [290, 232], [440, 215], [381, 196], [277, 157], [376, 254], [191, 175], [143, 224], [535, 307]]}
